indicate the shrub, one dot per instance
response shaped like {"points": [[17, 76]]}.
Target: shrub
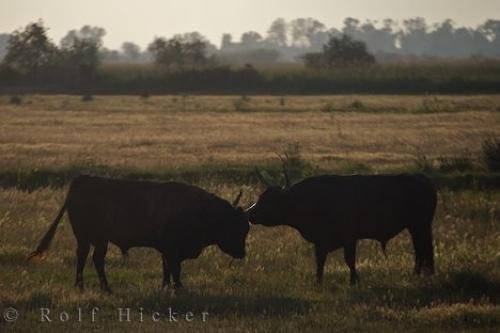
{"points": [[241, 104], [328, 107], [491, 153], [357, 104], [87, 98], [340, 52], [292, 160], [15, 100]]}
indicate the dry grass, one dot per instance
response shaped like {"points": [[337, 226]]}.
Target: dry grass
{"points": [[57, 131], [273, 288]]}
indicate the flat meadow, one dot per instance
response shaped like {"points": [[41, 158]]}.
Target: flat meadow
{"points": [[273, 288]]}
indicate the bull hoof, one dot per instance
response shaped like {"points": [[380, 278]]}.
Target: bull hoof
{"points": [[179, 291]]}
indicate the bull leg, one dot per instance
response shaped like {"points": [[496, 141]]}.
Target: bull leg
{"points": [[166, 272], [82, 252], [321, 254], [350, 260], [421, 237], [100, 251], [175, 268]]}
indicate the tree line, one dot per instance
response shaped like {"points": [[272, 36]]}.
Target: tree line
{"points": [[189, 63], [288, 41]]}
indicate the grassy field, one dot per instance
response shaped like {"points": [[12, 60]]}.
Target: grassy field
{"points": [[273, 288], [382, 132]]}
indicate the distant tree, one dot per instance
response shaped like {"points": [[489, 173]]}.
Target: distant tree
{"points": [[491, 30], [278, 33], [415, 38], [84, 56], [30, 50], [378, 39], [86, 33], [108, 55], [304, 30], [340, 51], [181, 50], [352, 28], [4, 41], [251, 39], [227, 41], [131, 51]]}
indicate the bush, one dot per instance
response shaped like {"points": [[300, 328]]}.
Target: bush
{"points": [[357, 104], [241, 104], [328, 107], [340, 52], [491, 153], [87, 98], [15, 100], [292, 160]]}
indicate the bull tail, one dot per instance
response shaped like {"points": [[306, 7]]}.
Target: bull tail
{"points": [[44, 244]]}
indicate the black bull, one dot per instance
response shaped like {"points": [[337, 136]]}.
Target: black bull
{"points": [[176, 219], [336, 211]]}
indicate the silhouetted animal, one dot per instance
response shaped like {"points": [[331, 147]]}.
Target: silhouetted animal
{"points": [[335, 211], [176, 219]]}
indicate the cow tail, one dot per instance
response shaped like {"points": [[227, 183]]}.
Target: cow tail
{"points": [[44, 244]]}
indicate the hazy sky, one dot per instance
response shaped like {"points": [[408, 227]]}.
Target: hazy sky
{"points": [[140, 21]]}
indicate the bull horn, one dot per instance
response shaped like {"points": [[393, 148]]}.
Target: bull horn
{"points": [[261, 178], [237, 200]]}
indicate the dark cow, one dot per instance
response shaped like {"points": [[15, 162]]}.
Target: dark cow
{"points": [[176, 219], [336, 211]]}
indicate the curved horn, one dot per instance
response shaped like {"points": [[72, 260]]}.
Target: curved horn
{"points": [[237, 200], [261, 178]]}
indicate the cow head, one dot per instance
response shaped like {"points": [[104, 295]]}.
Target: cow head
{"points": [[232, 238], [269, 208]]}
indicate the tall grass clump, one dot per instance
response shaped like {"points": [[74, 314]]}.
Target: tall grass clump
{"points": [[461, 163], [292, 160], [242, 103], [15, 100], [87, 98], [491, 154]]}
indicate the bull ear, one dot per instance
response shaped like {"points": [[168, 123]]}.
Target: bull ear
{"points": [[262, 179], [237, 200]]}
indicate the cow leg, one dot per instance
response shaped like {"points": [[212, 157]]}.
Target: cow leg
{"points": [[175, 268], [350, 260], [82, 252], [321, 254], [100, 251], [166, 272]]}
